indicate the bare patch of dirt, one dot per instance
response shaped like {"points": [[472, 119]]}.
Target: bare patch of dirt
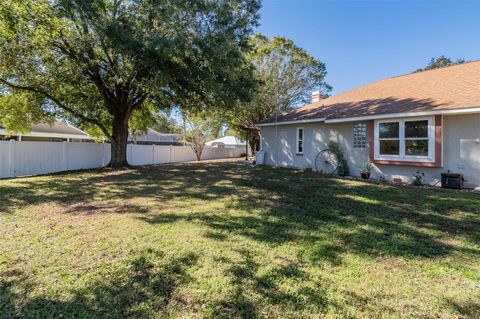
{"points": [[102, 207]]}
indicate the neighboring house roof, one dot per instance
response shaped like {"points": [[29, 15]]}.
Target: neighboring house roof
{"points": [[56, 129], [226, 140], [451, 88], [154, 136]]}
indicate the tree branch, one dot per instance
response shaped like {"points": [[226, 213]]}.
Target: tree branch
{"points": [[138, 100], [94, 75], [59, 104], [102, 88]]}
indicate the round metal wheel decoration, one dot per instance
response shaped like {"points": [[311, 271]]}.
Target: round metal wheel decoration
{"points": [[326, 162]]}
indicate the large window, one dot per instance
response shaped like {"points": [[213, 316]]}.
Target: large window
{"points": [[359, 135], [299, 144], [405, 139]]}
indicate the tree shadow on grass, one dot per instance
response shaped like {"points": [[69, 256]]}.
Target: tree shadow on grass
{"points": [[160, 183], [325, 237], [252, 287], [237, 304], [364, 218], [323, 217], [143, 289], [470, 309]]}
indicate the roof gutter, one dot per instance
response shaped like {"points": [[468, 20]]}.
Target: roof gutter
{"points": [[291, 122], [405, 114], [53, 135], [470, 110]]}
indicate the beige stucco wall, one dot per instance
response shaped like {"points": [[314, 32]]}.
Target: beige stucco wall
{"points": [[461, 148]]}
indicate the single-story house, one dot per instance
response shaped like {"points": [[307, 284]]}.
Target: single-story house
{"points": [[44, 132], [153, 137], [427, 121], [226, 141], [62, 132]]}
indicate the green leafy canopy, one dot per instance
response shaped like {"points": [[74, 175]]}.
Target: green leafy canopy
{"points": [[100, 62], [287, 75]]}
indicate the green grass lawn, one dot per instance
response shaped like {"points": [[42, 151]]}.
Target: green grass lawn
{"points": [[222, 240]]}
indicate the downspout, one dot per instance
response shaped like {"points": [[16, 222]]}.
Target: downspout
{"points": [[276, 137]]}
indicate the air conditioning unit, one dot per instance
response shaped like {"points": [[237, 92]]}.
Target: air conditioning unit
{"points": [[453, 181]]}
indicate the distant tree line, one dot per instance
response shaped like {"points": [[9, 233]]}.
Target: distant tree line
{"points": [[440, 62]]}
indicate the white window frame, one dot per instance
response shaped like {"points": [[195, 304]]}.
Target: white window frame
{"points": [[402, 157], [297, 140]]}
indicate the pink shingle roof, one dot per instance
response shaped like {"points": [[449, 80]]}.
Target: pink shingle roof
{"points": [[453, 87]]}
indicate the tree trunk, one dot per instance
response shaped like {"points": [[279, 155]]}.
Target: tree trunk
{"points": [[254, 142], [198, 155], [119, 143], [198, 150]]}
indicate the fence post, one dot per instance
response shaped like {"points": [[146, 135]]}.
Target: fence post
{"points": [[64, 156], [153, 154], [11, 160], [130, 151], [103, 154], [170, 154]]}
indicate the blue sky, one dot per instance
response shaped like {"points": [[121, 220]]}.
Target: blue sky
{"points": [[364, 41]]}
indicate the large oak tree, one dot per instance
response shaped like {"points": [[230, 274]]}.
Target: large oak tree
{"points": [[100, 63]]}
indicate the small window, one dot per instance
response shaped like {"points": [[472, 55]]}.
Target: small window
{"points": [[299, 140], [360, 135]]}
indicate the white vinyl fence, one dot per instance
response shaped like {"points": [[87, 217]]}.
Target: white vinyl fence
{"points": [[33, 158]]}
